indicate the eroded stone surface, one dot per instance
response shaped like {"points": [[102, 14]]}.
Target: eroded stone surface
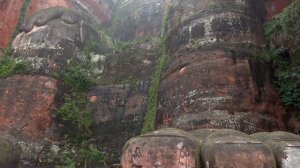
{"points": [[228, 148], [26, 104], [212, 81], [224, 93], [118, 113], [9, 16], [136, 19], [50, 39], [285, 146], [37, 5], [163, 148]]}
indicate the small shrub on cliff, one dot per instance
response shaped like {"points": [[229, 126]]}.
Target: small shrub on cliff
{"points": [[9, 67], [73, 110], [78, 155], [76, 79], [289, 87], [283, 39]]}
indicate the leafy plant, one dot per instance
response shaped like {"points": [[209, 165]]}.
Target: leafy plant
{"points": [[73, 110], [78, 155], [285, 28], [76, 79], [9, 67], [289, 87]]}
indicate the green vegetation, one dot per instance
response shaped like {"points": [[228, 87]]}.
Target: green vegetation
{"points": [[150, 117], [149, 120], [283, 50], [78, 155], [79, 151], [166, 19], [288, 21], [9, 67], [77, 83]]}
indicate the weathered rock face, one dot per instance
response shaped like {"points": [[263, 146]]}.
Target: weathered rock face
{"points": [[26, 104], [49, 39], [101, 10], [228, 148], [163, 148], [212, 81], [285, 147], [219, 148], [9, 155], [37, 5], [275, 6], [118, 113], [134, 19], [9, 16]]}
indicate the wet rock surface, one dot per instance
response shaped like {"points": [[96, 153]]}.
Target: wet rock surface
{"points": [[133, 19], [38, 5], [162, 148], [219, 148], [212, 81], [9, 16], [118, 112], [285, 147], [228, 148], [26, 104], [50, 39]]}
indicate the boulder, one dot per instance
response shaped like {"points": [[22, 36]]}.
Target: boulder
{"points": [[50, 39], [9, 155], [162, 148], [229, 148], [285, 146]]}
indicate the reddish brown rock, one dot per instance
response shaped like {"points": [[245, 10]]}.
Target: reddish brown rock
{"points": [[37, 5], [102, 10], [229, 148], [9, 16], [285, 146], [118, 111], [275, 6], [26, 104], [212, 81], [225, 92], [163, 148], [52, 38]]}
